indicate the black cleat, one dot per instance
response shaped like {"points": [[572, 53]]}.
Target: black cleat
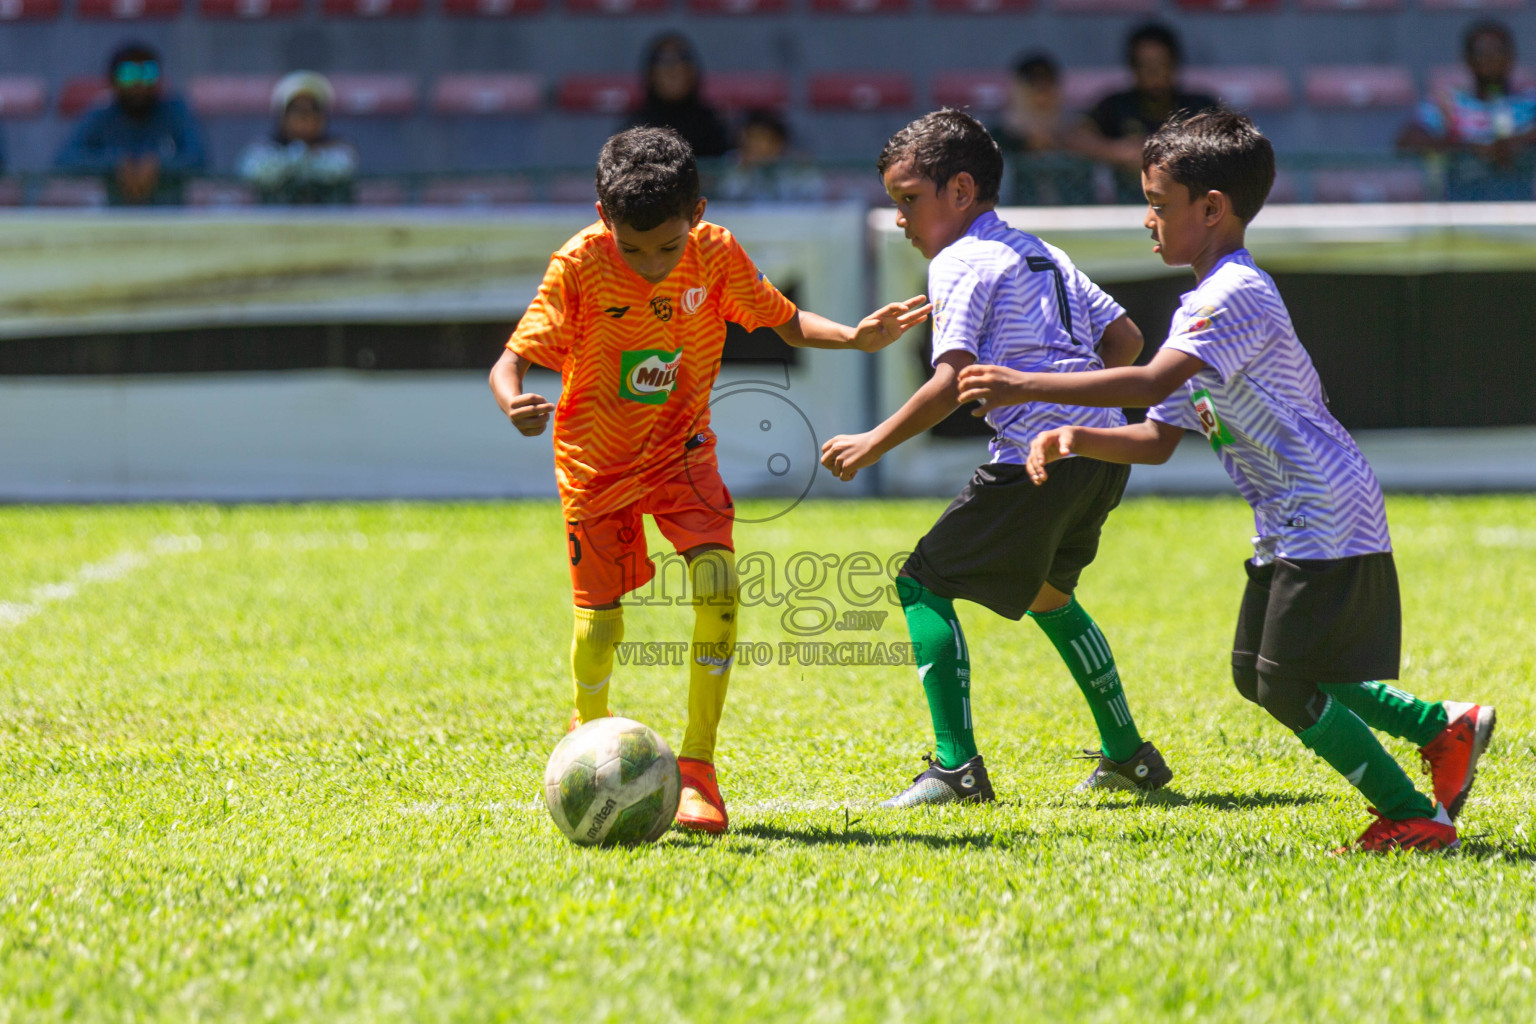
{"points": [[938, 785], [1143, 772]]}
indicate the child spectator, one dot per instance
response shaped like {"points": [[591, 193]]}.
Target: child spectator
{"points": [[1041, 141], [673, 79], [765, 168], [143, 142], [302, 162]]}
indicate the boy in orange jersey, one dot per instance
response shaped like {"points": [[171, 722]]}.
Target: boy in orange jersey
{"points": [[632, 313]]}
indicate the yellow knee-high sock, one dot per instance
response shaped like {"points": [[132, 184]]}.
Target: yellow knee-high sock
{"points": [[598, 630], [713, 651]]}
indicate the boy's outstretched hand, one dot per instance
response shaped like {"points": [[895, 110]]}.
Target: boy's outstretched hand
{"points": [[1048, 447], [888, 323], [846, 454], [992, 386], [529, 413]]}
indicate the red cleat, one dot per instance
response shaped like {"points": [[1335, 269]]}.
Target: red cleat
{"points": [[1426, 834], [701, 808], [1450, 759]]}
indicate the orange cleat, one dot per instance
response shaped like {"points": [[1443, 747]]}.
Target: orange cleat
{"points": [[1427, 834], [701, 808], [1450, 759]]}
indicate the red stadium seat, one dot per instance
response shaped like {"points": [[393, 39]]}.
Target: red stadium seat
{"points": [[617, 6], [983, 6], [22, 96], [1447, 77], [599, 94], [861, 6], [1243, 88], [572, 188], [231, 95], [25, 10], [1105, 6], [978, 90], [1229, 6], [1284, 190], [734, 91], [375, 95], [488, 94], [1393, 185], [1360, 87], [219, 193], [491, 8], [1081, 88], [371, 8], [128, 10], [1473, 5], [478, 192], [870, 90], [738, 6], [81, 94], [73, 192], [1351, 5], [10, 192], [251, 10]]}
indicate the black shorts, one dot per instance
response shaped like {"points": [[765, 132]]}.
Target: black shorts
{"points": [[1336, 620], [1004, 536]]}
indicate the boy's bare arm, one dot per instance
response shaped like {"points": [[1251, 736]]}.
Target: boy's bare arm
{"points": [[846, 454], [1137, 387], [529, 413], [810, 330], [1149, 442], [1120, 343]]}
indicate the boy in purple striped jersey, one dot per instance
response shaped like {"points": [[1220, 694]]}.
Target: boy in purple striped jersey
{"points": [[1320, 615], [1002, 296]]}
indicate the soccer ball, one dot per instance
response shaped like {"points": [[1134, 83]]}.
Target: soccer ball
{"points": [[613, 781]]}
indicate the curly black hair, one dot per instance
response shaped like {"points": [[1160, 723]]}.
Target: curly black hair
{"points": [[941, 145], [646, 177], [1215, 150]]}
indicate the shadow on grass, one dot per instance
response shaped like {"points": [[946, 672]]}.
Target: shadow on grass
{"points": [[839, 836], [1219, 801], [1480, 848]]}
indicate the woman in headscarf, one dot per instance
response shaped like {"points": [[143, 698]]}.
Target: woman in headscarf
{"points": [[672, 77], [302, 162]]}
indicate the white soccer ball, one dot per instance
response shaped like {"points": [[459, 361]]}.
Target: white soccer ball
{"points": [[613, 781]]}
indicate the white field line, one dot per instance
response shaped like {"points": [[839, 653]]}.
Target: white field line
{"points": [[14, 613]]}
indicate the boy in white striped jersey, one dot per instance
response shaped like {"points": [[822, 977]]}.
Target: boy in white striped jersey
{"points": [[1320, 614], [1002, 296]]}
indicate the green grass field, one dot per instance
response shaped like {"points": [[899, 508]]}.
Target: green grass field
{"points": [[284, 763]]}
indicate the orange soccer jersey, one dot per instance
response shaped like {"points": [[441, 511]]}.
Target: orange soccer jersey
{"points": [[637, 360]]}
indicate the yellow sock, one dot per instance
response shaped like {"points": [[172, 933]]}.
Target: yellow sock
{"points": [[713, 651], [597, 632]]}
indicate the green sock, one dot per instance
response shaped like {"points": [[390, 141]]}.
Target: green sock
{"points": [[1088, 656], [1343, 740], [1395, 712], [944, 666]]}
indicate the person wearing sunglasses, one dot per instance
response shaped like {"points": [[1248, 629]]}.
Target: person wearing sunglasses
{"points": [[143, 142]]}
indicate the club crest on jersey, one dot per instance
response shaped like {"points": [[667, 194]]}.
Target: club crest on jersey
{"points": [[1211, 426], [1204, 317], [693, 298], [662, 307], [648, 375]]}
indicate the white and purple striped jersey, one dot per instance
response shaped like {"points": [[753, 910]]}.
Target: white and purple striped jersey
{"points": [[1010, 299], [1260, 404]]}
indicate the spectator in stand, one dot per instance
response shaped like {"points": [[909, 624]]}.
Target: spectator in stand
{"points": [[1122, 120], [766, 168], [302, 162], [1041, 141], [1485, 132], [673, 78], [142, 141]]}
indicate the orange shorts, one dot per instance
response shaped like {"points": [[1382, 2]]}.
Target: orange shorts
{"points": [[608, 554]]}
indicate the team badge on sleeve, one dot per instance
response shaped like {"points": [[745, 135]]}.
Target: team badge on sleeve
{"points": [[1204, 317]]}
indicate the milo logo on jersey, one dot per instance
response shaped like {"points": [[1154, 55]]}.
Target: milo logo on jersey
{"points": [[1211, 426], [648, 375]]}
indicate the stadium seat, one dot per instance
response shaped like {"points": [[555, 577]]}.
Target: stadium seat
{"points": [[371, 8], [870, 90], [599, 94], [1446, 77], [1351, 5], [977, 90], [488, 94], [1284, 190], [491, 8], [1081, 88], [251, 10], [1229, 6], [128, 10], [1105, 6], [617, 6], [219, 193], [81, 94], [1473, 5], [25, 10], [11, 192], [735, 91], [383, 192], [1390, 185], [1359, 87], [231, 95], [478, 192], [73, 192], [572, 188], [738, 6], [861, 6], [982, 6], [1243, 88], [22, 96], [375, 95]]}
